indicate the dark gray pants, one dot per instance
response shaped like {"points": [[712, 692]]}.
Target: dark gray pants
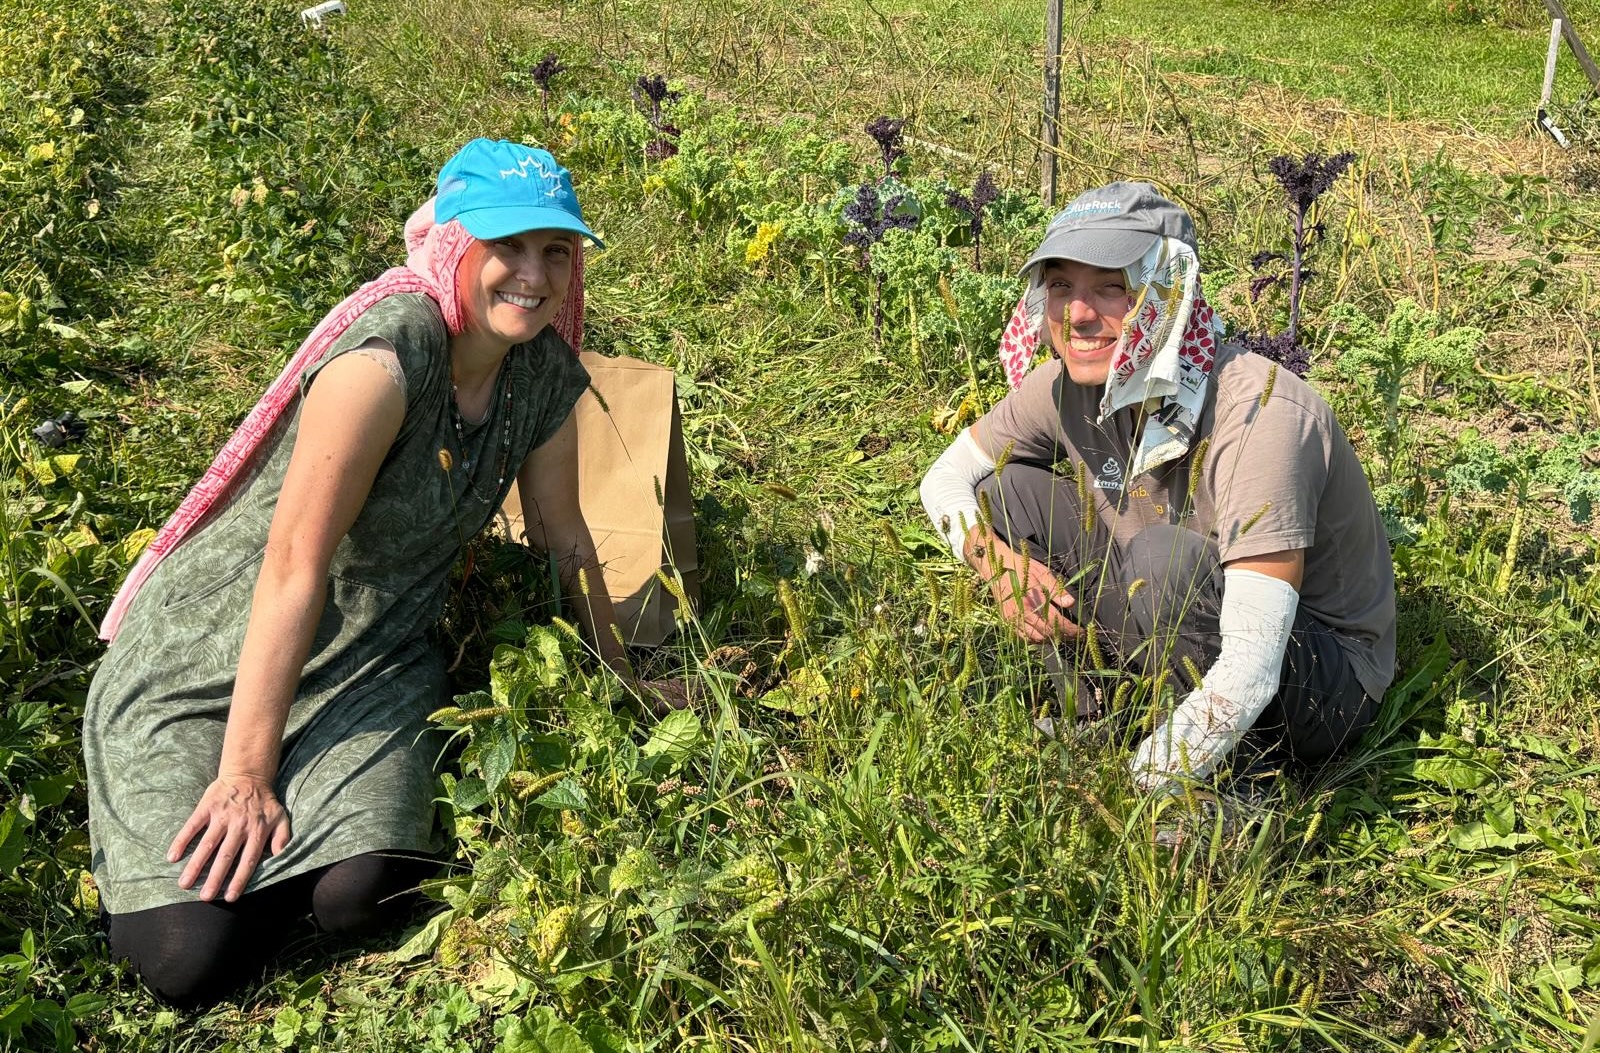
{"points": [[1155, 601]]}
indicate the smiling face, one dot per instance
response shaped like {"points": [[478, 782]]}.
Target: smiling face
{"points": [[1084, 311], [521, 282]]}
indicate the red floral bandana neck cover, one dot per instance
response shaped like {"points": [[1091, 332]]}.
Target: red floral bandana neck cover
{"points": [[1169, 344]]}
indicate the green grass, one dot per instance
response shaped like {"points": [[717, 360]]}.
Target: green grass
{"points": [[1401, 60], [1397, 59], [855, 842]]}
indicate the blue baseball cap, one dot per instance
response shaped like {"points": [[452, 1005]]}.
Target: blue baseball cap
{"points": [[497, 188]]}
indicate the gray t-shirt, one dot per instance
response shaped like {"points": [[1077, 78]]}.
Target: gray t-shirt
{"points": [[1273, 477]]}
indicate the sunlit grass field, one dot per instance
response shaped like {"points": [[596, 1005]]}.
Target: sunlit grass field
{"points": [[856, 839]]}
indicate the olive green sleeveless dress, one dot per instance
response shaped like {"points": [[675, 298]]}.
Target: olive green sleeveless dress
{"points": [[357, 766]]}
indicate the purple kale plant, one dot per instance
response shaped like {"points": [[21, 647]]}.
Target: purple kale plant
{"points": [[887, 132], [1306, 180], [1283, 349], [1302, 181], [652, 89], [868, 218], [662, 146], [543, 72], [984, 194]]}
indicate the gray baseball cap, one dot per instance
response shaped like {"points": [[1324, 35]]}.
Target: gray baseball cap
{"points": [[1113, 226]]}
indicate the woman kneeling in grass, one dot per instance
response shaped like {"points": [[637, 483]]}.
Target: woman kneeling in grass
{"points": [[256, 737]]}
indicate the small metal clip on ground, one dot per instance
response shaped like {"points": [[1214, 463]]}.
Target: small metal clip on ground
{"points": [[313, 16]]}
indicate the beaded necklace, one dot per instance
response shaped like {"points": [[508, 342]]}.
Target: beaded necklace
{"points": [[467, 463]]}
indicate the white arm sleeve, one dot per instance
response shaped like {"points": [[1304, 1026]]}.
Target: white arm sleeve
{"points": [[1257, 616], [950, 489]]}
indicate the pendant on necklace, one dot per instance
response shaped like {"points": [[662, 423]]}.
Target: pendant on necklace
{"points": [[467, 462]]}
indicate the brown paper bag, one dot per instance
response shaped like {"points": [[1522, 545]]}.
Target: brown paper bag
{"points": [[633, 489]]}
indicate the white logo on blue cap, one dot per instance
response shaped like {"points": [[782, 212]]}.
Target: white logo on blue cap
{"points": [[522, 169]]}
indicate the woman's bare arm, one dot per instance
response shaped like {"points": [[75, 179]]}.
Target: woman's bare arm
{"points": [[348, 422]]}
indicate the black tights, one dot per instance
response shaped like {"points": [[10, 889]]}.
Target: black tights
{"points": [[192, 954]]}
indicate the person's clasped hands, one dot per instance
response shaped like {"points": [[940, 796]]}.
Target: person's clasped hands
{"points": [[1028, 595]]}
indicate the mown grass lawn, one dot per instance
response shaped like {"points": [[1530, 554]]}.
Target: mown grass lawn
{"points": [[1401, 59], [855, 841]]}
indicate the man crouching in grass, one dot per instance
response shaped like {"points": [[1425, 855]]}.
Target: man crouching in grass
{"points": [[1190, 506]]}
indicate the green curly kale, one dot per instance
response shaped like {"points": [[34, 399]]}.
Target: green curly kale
{"points": [[1565, 468], [1412, 337], [1412, 342]]}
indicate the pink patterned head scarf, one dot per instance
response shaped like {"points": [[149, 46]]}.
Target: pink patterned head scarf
{"points": [[434, 254], [1168, 346]]}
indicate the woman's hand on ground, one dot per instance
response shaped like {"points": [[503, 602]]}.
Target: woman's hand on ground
{"points": [[1030, 597], [238, 820]]}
